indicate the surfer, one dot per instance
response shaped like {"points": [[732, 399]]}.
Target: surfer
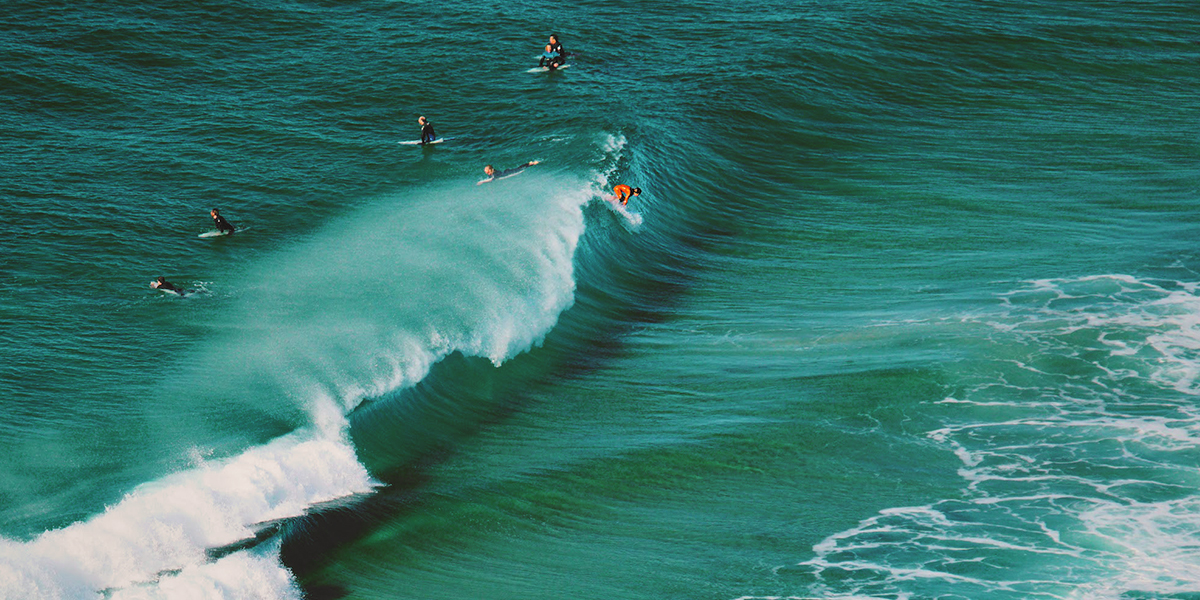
{"points": [[550, 59], [222, 225], [493, 174], [624, 193], [162, 284], [556, 46], [427, 134]]}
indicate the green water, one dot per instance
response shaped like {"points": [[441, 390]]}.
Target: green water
{"points": [[908, 312]]}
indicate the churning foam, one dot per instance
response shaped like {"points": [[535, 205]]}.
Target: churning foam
{"points": [[1078, 433], [610, 154], [365, 307], [161, 531], [368, 306]]}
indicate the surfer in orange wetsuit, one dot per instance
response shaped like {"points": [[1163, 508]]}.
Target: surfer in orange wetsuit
{"points": [[624, 193]]}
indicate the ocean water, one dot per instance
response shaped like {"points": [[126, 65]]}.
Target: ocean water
{"points": [[909, 307]]}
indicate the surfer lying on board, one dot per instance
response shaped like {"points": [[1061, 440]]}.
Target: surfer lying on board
{"points": [[222, 225], [550, 59], [624, 193], [493, 174], [427, 134], [162, 284]]}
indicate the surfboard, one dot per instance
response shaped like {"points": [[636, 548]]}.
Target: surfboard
{"points": [[483, 181], [632, 219], [547, 69], [515, 171], [418, 142], [166, 291], [215, 233]]}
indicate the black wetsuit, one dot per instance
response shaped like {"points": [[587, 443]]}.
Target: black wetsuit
{"points": [[505, 173], [562, 54], [222, 225], [427, 134], [169, 287], [512, 171]]}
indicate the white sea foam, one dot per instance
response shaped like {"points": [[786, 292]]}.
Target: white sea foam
{"points": [[257, 573], [1077, 431], [611, 148], [371, 304], [364, 308], [168, 525]]}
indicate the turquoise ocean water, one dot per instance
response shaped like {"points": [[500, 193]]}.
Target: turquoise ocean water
{"points": [[910, 307]]}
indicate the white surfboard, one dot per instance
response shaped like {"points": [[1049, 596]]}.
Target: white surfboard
{"points": [[632, 219], [418, 142], [165, 291], [483, 181], [215, 233], [546, 69]]}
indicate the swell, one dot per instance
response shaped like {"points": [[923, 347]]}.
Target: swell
{"points": [[363, 307], [625, 279], [275, 362]]}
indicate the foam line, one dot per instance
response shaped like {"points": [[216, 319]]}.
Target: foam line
{"points": [[1076, 429]]}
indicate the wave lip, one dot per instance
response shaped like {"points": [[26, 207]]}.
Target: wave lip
{"points": [[364, 307], [367, 305]]}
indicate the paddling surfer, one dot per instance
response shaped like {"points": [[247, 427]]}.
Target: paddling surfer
{"points": [[493, 174], [162, 284]]}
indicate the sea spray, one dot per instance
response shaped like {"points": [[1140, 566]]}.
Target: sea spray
{"points": [[364, 307], [170, 524], [368, 304]]}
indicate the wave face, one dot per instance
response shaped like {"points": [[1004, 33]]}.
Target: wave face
{"points": [[363, 307], [368, 305]]}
